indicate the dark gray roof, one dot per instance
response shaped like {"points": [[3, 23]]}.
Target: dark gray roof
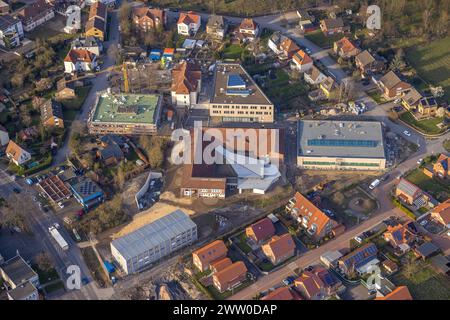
{"points": [[23, 291], [51, 108], [7, 21], [365, 58], [333, 23], [407, 187], [354, 139], [390, 79], [153, 234], [216, 21], [112, 150], [85, 187], [18, 270], [427, 249]]}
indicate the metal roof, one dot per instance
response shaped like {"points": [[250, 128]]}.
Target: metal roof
{"points": [[153, 234], [329, 138]]}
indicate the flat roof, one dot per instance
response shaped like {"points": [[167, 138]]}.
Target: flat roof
{"points": [[18, 270], [153, 234], [126, 108], [22, 291], [332, 138], [233, 85]]}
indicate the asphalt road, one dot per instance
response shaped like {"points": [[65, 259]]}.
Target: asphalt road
{"points": [[39, 222]]}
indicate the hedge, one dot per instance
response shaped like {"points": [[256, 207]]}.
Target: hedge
{"points": [[408, 212], [41, 166]]}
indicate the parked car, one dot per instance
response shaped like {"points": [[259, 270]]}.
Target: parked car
{"points": [[423, 222], [407, 133], [16, 190], [419, 162], [61, 205]]}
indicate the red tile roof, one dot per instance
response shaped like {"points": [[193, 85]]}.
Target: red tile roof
{"points": [[248, 24], [302, 58], [263, 229], [188, 18], [211, 251], [283, 293], [185, 78], [400, 293], [311, 283], [281, 245], [346, 45], [443, 210], [14, 150], [75, 55], [219, 265], [231, 273]]}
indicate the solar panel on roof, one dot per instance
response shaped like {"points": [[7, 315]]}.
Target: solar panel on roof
{"points": [[235, 81], [342, 143], [244, 93]]}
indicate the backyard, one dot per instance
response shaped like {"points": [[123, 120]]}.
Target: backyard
{"points": [[233, 52], [322, 40], [424, 283], [431, 61], [427, 126], [439, 189]]}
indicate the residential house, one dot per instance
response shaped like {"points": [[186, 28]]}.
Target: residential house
{"points": [[359, 260], [51, 114], [441, 167], [411, 100], [219, 265], [230, 277], [80, 60], [392, 87], [426, 250], [260, 231], [345, 48], [34, 14], [214, 251], [301, 61], [279, 248], [11, 31], [399, 293], [427, 107], [17, 154], [288, 48], [401, 237], [146, 19], [390, 266], [304, 17], [111, 152], [22, 280], [28, 134], [310, 286], [248, 30], [314, 77], [65, 90], [333, 26], [282, 293], [4, 7], [189, 23], [315, 221], [98, 18], [186, 84], [368, 64], [327, 86], [90, 43], [4, 136], [274, 42], [331, 284], [441, 213], [409, 193], [217, 26]]}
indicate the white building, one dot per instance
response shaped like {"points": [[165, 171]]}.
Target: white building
{"points": [[139, 249], [189, 23], [91, 44], [35, 14], [186, 84], [314, 76], [11, 31], [17, 154], [80, 60], [301, 61]]}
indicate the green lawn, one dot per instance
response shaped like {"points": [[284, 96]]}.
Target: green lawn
{"points": [[425, 284], [94, 265], [77, 102], [233, 51], [322, 40], [432, 62], [242, 244], [446, 145], [46, 276], [439, 189], [377, 96], [427, 126]]}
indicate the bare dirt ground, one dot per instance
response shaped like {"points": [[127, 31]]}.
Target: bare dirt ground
{"points": [[172, 284]]}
